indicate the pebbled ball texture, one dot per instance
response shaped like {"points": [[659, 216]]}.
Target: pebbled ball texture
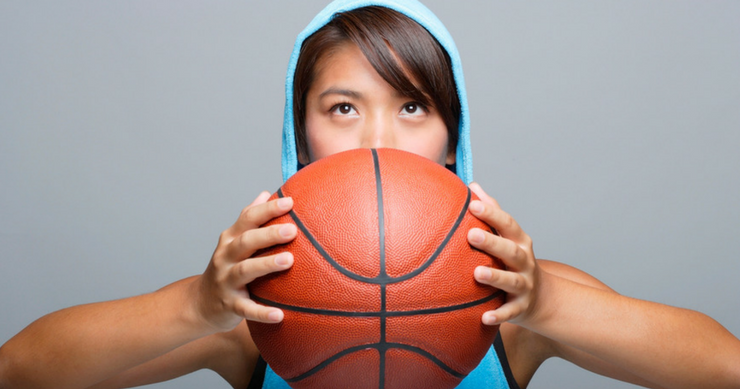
{"points": [[381, 293]]}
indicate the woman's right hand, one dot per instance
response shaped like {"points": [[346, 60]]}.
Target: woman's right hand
{"points": [[222, 299]]}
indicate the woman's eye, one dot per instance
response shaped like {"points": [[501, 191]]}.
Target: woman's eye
{"points": [[412, 108], [343, 109]]}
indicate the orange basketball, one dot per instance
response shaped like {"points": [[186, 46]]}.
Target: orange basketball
{"points": [[381, 293]]}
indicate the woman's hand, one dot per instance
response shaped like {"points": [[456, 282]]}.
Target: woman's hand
{"points": [[514, 247], [221, 292]]}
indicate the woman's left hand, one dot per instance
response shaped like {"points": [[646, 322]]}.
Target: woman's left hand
{"points": [[514, 247]]}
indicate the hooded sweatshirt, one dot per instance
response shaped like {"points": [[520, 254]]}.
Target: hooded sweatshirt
{"points": [[493, 370]]}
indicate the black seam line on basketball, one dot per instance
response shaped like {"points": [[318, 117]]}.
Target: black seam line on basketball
{"points": [[442, 245], [428, 356], [377, 346], [381, 213], [323, 252], [383, 274], [383, 313], [329, 312], [381, 351], [379, 279], [328, 361], [320, 249]]}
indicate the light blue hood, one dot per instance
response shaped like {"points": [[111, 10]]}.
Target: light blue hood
{"points": [[422, 15], [490, 373]]}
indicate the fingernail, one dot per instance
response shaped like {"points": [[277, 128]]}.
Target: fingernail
{"points": [[476, 206], [489, 318], [482, 274], [275, 316], [285, 203], [283, 259], [476, 236], [287, 230]]}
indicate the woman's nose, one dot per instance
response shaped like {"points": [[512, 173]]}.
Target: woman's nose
{"points": [[378, 133]]}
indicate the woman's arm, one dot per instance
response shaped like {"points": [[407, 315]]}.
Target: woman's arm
{"points": [[672, 347], [232, 355], [80, 346], [527, 350]]}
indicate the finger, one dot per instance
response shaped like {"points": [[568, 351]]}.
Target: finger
{"points": [[258, 214], [478, 190], [250, 241], [250, 310], [504, 313], [508, 281], [501, 221], [246, 271], [497, 246], [261, 198]]}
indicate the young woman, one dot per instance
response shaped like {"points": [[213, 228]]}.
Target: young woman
{"points": [[383, 76]]}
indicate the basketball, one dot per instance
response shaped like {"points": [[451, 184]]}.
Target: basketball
{"points": [[381, 293]]}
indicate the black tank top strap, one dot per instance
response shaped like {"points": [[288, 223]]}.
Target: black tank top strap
{"points": [[258, 376], [498, 346]]}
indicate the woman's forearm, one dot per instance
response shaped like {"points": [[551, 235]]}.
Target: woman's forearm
{"points": [[673, 347], [79, 346]]}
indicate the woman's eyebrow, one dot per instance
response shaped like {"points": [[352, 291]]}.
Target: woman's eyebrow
{"points": [[339, 91]]}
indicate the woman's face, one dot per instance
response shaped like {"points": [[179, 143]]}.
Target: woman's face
{"points": [[350, 106]]}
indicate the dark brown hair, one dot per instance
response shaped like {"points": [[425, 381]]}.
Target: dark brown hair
{"points": [[398, 48]]}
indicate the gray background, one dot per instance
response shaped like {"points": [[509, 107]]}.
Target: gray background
{"points": [[132, 133]]}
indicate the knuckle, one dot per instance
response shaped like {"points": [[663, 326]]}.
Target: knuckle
{"points": [[249, 269], [509, 249], [275, 232], [490, 241], [493, 201], [217, 259], [245, 240], [229, 277], [245, 212], [507, 221], [504, 314], [243, 269], [267, 265], [529, 285], [224, 237], [516, 283], [518, 254], [527, 241], [218, 274], [242, 310], [495, 276], [261, 314]]}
